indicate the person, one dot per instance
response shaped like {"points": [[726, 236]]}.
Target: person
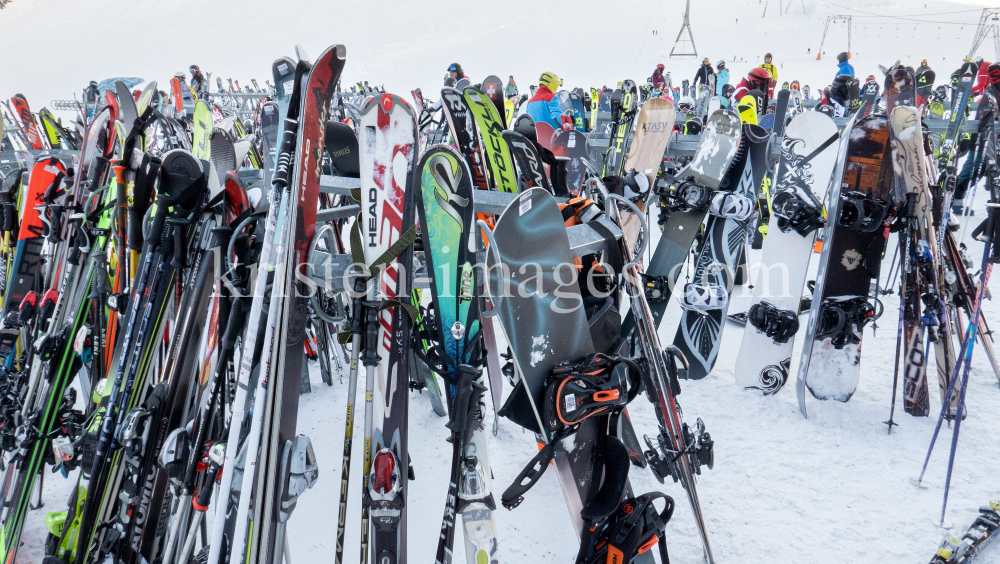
{"points": [[843, 67], [757, 79], [925, 82], [455, 71], [721, 81], [91, 95], [769, 67], [840, 95], [704, 74], [982, 77], [544, 104], [658, 81], [510, 91], [198, 82]]}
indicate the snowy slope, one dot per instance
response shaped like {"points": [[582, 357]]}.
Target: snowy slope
{"points": [[53, 50], [832, 488]]}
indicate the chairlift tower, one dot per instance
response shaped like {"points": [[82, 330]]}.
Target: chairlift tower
{"points": [[834, 19], [985, 29], [685, 27]]}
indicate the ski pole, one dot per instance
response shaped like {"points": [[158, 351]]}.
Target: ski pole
{"points": [[966, 352], [352, 390], [904, 266]]}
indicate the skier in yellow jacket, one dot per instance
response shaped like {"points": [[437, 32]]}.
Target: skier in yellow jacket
{"points": [[773, 71]]}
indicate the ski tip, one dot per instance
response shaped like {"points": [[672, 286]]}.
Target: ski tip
{"points": [[341, 51]]}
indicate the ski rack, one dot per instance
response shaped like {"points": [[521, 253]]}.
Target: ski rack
{"points": [[684, 146], [329, 270]]}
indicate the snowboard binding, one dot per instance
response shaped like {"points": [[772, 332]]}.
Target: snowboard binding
{"points": [[680, 195], [842, 321], [657, 287], [634, 527], [576, 392], [861, 212], [796, 214], [703, 298], [778, 324], [729, 205]]}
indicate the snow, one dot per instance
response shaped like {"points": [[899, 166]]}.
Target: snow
{"points": [[831, 488]]}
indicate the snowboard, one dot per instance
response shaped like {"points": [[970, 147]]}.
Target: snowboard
{"points": [[699, 335], [851, 258], [808, 156], [544, 328], [572, 144], [716, 150], [653, 129]]}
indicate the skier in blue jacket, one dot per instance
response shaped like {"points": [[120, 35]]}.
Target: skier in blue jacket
{"points": [[844, 67], [544, 104], [721, 80]]}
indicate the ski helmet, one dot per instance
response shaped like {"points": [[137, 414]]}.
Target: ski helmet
{"points": [[550, 80], [194, 69], [457, 69], [706, 61], [93, 83], [923, 62], [685, 104], [767, 56], [994, 74], [179, 74], [842, 57], [720, 65], [759, 74], [660, 66]]}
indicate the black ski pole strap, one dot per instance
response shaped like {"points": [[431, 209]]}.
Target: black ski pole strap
{"points": [[514, 494]]}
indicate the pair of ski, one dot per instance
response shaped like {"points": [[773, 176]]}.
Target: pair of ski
{"points": [[293, 202]]}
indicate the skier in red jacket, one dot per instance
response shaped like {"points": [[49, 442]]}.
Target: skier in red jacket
{"points": [[757, 79], [982, 77]]}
